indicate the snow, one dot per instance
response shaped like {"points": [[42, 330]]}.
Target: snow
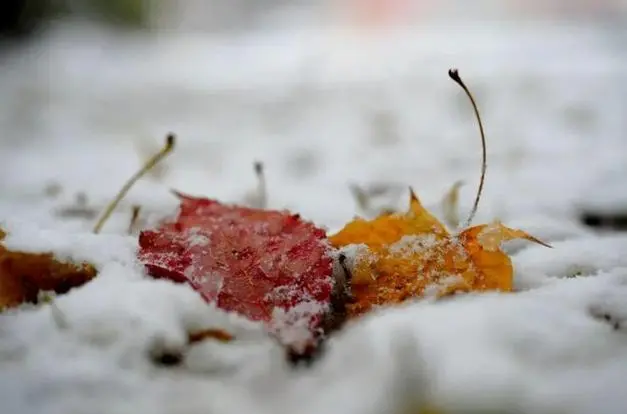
{"points": [[76, 246], [442, 286], [414, 243], [309, 104], [294, 325], [580, 257]]}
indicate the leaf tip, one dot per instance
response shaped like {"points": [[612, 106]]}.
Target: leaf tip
{"points": [[536, 240], [413, 198], [177, 194], [542, 243]]}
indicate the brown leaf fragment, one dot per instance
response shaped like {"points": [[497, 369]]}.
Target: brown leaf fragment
{"points": [[217, 334], [24, 275]]}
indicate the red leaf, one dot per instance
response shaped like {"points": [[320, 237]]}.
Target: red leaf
{"points": [[269, 266]]}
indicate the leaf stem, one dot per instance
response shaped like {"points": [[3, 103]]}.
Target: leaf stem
{"points": [[154, 160], [454, 74]]}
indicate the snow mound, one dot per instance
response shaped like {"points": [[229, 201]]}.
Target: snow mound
{"points": [[578, 257], [105, 353], [558, 349]]}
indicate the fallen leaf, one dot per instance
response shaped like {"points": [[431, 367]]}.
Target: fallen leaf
{"points": [[400, 256], [24, 275], [408, 255], [267, 265], [217, 334]]}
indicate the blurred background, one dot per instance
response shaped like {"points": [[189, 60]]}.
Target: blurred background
{"points": [[332, 95]]}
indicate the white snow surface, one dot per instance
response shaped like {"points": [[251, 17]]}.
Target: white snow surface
{"points": [[322, 109]]}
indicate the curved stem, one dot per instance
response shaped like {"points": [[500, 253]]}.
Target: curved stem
{"points": [[454, 74]]}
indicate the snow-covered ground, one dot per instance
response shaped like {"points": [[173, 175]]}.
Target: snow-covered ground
{"points": [[80, 109]]}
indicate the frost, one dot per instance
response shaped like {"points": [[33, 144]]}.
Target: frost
{"points": [[287, 293], [409, 245], [196, 239], [212, 282]]}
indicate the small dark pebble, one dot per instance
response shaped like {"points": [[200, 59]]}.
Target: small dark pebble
{"points": [[168, 359]]}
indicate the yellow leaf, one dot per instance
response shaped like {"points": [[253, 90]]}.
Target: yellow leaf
{"points": [[411, 255], [490, 236], [389, 228]]}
